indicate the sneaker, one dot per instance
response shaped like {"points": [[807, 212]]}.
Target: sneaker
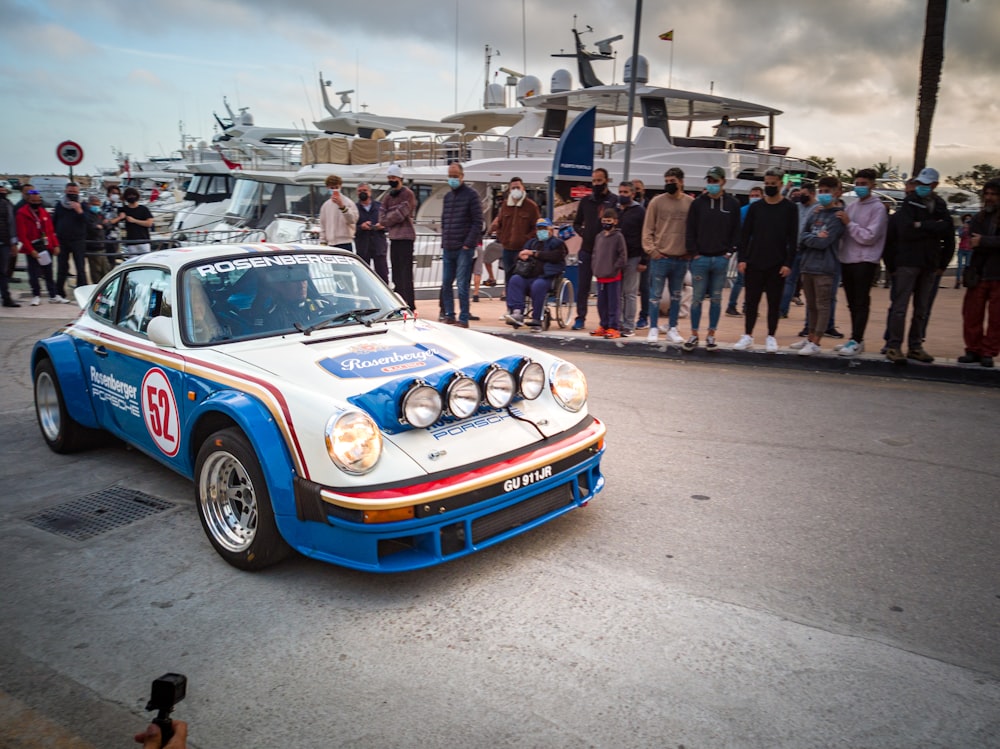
{"points": [[710, 343], [833, 333], [627, 333], [986, 361], [745, 342], [733, 312], [797, 346], [10, 303], [797, 301], [653, 335], [473, 318], [809, 349], [895, 356], [490, 282], [534, 323], [475, 297], [673, 336], [771, 344], [642, 324], [918, 354], [970, 358], [612, 333], [663, 327], [852, 348], [804, 332], [460, 324], [599, 331], [515, 318], [839, 346], [58, 300], [35, 301], [691, 343], [577, 324]]}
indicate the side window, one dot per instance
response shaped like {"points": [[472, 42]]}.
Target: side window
{"points": [[143, 297], [103, 306]]}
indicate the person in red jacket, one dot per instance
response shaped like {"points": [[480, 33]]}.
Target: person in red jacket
{"points": [[38, 242]]}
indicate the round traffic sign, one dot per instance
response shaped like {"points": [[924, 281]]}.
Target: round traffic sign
{"points": [[69, 153]]}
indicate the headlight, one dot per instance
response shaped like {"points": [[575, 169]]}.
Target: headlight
{"points": [[569, 386], [498, 387], [421, 405], [462, 396], [353, 441], [532, 378]]}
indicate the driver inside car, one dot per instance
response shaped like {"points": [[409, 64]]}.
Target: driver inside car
{"points": [[286, 298]]}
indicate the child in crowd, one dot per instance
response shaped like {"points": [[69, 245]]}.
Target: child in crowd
{"points": [[609, 259]]}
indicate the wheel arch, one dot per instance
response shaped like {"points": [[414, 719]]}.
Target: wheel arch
{"points": [[60, 350]]}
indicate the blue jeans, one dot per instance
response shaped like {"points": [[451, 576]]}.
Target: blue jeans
{"points": [[520, 287], [457, 269], [667, 271], [708, 274]]}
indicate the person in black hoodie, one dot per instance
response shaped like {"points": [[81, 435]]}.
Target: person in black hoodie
{"points": [[922, 242], [631, 216], [984, 291], [8, 235], [70, 222], [713, 232], [588, 225]]}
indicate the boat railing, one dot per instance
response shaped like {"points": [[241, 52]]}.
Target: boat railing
{"points": [[218, 236]]}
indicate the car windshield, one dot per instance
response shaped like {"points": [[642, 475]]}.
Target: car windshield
{"points": [[266, 294]]}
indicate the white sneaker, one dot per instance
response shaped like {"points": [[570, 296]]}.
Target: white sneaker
{"points": [[798, 345], [839, 346], [663, 327], [745, 342], [674, 336], [35, 301], [809, 349], [653, 334], [771, 344], [58, 300], [852, 348]]}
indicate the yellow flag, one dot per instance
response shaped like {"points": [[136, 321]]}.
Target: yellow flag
{"points": [[667, 36]]}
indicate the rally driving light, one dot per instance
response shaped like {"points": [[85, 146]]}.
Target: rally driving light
{"points": [[569, 386], [421, 405], [462, 396], [532, 378], [498, 387], [353, 441]]}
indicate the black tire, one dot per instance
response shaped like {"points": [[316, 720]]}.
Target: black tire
{"points": [[61, 433], [234, 504]]}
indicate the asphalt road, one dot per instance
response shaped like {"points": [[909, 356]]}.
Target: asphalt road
{"points": [[780, 559]]}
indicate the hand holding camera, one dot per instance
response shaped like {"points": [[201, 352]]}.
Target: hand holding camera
{"points": [[163, 732]]}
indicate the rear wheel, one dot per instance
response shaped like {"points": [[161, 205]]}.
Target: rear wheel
{"points": [[234, 504], [564, 302], [62, 434]]}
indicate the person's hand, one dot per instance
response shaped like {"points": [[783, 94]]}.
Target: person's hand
{"points": [[641, 267], [844, 218], [785, 270], [151, 738], [741, 267], [974, 241], [367, 225], [335, 197], [823, 234], [525, 254]]}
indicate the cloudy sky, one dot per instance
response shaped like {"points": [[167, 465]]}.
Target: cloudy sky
{"points": [[111, 73]]}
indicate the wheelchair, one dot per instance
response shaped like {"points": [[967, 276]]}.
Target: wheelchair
{"points": [[560, 303]]}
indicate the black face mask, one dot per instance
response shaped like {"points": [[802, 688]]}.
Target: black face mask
{"points": [[771, 190], [607, 225], [394, 184], [598, 189], [363, 196], [624, 200], [670, 188]]}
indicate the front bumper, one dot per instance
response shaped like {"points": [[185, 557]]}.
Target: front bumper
{"points": [[453, 515]]}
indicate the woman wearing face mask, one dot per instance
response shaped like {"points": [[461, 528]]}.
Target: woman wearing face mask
{"points": [[514, 224], [137, 220], [396, 214], [97, 264]]}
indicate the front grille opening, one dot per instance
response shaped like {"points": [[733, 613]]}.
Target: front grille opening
{"points": [[452, 538], [389, 546], [507, 519]]}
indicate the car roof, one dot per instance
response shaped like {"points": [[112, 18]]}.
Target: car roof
{"points": [[178, 257]]}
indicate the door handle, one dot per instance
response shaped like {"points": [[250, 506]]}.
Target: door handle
{"points": [[100, 351]]}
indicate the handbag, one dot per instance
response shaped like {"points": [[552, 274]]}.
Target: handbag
{"points": [[970, 276], [527, 268]]}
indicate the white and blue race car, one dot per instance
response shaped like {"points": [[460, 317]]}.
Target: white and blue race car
{"points": [[314, 411]]}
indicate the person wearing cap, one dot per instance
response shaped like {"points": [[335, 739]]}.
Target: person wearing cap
{"points": [[396, 214], [8, 241], [921, 247], [712, 234], [461, 233], [514, 224], [663, 234], [548, 255], [338, 217], [284, 299], [983, 291]]}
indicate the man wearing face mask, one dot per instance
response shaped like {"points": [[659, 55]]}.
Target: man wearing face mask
{"points": [[137, 220], [588, 225], [981, 346], [805, 200], [338, 217], [643, 321], [663, 236], [396, 215], [70, 222], [631, 217], [514, 225], [369, 242], [923, 244], [97, 264], [461, 233]]}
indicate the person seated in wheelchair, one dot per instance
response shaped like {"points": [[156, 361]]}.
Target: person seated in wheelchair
{"points": [[542, 260], [286, 298]]}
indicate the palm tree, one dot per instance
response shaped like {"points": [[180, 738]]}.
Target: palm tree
{"points": [[931, 63]]}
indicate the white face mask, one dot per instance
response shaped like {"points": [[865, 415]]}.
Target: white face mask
{"points": [[517, 193]]}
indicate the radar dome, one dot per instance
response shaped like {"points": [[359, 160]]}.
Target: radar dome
{"points": [[562, 80], [494, 95], [641, 70], [528, 86]]}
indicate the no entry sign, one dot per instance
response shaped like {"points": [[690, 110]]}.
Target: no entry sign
{"points": [[69, 153]]}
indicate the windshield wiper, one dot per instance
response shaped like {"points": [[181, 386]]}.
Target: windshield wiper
{"points": [[390, 313], [354, 314]]}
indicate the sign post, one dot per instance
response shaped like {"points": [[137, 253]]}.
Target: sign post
{"points": [[69, 153]]}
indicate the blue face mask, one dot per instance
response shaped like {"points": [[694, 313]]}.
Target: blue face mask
{"points": [[754, 200], [454, 182], [825, 199], [713, 189], [923, 190], [95, 209], [542, 234], [862, 192]]}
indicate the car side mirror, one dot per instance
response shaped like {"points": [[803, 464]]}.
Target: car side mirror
{"points": [[161, 331]]}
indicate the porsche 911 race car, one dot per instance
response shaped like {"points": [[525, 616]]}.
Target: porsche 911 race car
{"points": [[314, 411]]}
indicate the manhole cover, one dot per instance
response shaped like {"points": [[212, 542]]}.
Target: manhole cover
{"points": [[97, 513]]}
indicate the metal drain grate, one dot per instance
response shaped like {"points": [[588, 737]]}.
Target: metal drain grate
{"points": [[97, 513]]}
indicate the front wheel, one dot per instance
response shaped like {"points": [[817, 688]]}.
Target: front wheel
{"points": [[234, 504], [62, 434]]}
